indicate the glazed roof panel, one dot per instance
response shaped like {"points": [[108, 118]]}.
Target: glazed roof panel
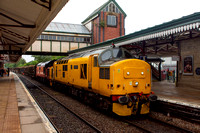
{"points": [[67, 28]]}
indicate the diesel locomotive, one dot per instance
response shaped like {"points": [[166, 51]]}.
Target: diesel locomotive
{"points": [[110, 78]]}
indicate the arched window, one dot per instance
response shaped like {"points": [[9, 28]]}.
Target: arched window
{"points": [[111, 7]]}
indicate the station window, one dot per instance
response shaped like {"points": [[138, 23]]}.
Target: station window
{"points": [[58, 38], [62, 38], [42, 36], [46, 37], [50, 37], [111, 7], [53, 37], [111, 20], [83, 71], [63, 74]]}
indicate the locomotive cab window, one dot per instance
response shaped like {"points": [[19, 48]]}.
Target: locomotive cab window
{"points": [[117, 53], [83, 71], [127, 55], [112, 55], [95, 61], [107, 55]]}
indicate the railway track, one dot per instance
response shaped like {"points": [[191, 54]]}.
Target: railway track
{"points": [[180, 111], [152, 125], [149, 125], [52, 108]]}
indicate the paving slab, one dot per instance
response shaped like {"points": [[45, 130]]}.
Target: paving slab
{"points": [[167, 91], [18, 114]]}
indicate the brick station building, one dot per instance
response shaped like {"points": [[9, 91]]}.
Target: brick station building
{"points": [[106, 22]]}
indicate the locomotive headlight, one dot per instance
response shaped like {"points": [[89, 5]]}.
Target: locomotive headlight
{"points": [[128, 73], [135, 83]]}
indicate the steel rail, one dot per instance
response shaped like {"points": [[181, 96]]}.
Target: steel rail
{"points": [[137, 126], [69, 110], [187, 113], [169, 125]]}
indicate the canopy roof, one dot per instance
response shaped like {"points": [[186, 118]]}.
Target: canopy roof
{"points": [[21, 22], [169, 32]]}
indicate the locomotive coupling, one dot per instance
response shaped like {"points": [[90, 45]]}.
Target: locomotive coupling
{"points": [[153, 98]]}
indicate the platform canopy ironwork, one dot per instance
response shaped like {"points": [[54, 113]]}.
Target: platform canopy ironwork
{"points": [[161, 39], [21, 22]]}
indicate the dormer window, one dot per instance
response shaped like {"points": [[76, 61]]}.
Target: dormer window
{"points": [[111, 20]]}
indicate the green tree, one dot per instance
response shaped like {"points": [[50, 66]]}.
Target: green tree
{"points": [[41, 58], [37, 59], [20, 63]]}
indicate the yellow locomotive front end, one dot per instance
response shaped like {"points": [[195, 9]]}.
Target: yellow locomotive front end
{"points": [[128, 83], [131, 87]]}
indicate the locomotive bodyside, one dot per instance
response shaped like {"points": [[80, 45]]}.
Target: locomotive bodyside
{"points": [[42, 70]]}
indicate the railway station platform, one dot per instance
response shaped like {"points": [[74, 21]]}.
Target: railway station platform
{"points": [[166, 91], [18, 111]]}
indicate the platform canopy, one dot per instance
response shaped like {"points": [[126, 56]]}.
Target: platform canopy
{"points": [[159, 40], [21, 22]]}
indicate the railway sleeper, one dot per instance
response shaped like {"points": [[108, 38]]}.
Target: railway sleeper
{"points": [[87, 97]]}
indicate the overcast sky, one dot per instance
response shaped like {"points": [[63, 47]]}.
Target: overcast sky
{"points": [[141, 14]]}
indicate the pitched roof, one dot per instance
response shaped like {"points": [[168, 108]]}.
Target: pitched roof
{"points": [[98, 10], [67, 28]]}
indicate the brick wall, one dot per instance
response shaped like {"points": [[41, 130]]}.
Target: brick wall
{"points": [[107, 32], [190, 48]]}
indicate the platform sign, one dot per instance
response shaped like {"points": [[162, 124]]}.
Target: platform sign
{"points": [[188, 65], [175, 58]]}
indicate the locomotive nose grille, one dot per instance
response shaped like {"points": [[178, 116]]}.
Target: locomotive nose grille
{"points": [[104, 73]]}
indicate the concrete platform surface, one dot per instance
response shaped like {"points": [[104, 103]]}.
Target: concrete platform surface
{"points": [[18, 111], [166, 91]]}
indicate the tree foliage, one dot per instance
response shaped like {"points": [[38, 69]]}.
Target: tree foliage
{"points": [[37, 59], [20, 63]]}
